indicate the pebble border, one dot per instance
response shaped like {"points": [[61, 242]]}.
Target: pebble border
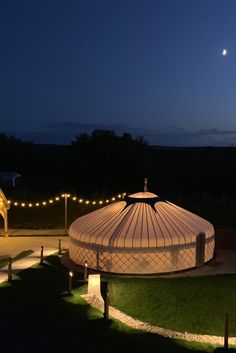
{"points": [[140, 325]]}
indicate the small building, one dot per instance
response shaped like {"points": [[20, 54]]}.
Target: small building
{"points": [[142, 234], [4, 207], [8, 178]]}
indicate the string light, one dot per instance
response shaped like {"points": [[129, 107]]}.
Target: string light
{"points": [[63, 196]]}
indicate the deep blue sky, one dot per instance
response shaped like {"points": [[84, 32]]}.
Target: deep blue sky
{"points": [[151, 67]]}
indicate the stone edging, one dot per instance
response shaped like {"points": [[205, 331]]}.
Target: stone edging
{"points": [[140, 325]]}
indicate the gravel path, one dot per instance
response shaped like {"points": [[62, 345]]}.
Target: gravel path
{"points": [[137, 324]]}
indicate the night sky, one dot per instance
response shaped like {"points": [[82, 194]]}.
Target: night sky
{"points": [[152, 67]]}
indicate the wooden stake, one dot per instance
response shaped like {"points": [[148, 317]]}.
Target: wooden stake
{"points": [[41, 255], [10, 270], [226, 335]]}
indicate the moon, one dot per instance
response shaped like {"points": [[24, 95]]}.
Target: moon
{"points": [[224, 52]]}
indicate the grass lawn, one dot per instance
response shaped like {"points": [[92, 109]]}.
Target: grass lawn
{"points": [[38, 316], [194, 305], [5, 260]]}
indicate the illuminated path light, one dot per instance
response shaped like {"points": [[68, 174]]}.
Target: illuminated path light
{"points": [[70, 278]]}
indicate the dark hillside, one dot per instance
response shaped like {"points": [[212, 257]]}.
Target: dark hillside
{"points": [[100, 164]]}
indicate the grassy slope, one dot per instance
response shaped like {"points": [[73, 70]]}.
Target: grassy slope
{"points": [[194, 305], [43, 316]]}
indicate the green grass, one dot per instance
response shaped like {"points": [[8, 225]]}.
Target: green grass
{"points": [[194, 305], [37, 312], [5, 260]]}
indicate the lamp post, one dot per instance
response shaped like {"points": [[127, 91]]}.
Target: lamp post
{"points": [[85, 271], [59, 247], [70, 276], [66, 196]]}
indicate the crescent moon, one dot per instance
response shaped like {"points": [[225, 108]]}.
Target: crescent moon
{"points": [[224, 52]]}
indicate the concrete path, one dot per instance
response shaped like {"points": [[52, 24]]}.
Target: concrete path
{"points": [[12, 246], [143, 326], [33, 232]]}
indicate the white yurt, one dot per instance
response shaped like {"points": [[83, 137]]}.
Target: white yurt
{"points": [[142, 234]]}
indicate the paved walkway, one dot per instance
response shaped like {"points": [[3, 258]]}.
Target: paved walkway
{"points": [[33, 232], [140, 325], [12, 246]]}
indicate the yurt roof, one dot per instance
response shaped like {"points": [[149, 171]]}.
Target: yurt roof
{"points": [[142, 220]]}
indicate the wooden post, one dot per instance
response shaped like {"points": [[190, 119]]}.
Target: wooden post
{"points": [[9, 270], [226, 335], [5, 224], [59, 246], [106, 305], [41, 255]]}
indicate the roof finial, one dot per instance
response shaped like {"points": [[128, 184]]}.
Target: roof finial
{"points": [[145, 184]]}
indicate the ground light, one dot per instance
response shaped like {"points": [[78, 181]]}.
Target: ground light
{"points": [[70, 276], [85, 272]]}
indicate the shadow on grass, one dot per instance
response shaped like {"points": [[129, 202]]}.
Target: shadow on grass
{"points": [[37, 309]]}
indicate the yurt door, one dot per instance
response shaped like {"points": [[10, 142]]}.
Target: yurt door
{"points": [[200, 249]]}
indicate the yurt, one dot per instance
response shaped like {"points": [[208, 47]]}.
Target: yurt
{"points": [[141, 234]]}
